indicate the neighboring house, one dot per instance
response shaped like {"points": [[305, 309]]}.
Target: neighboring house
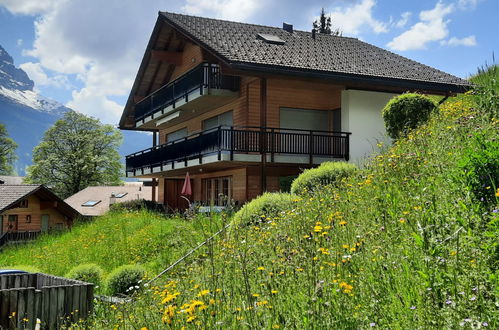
{"points": [[240, 106], [96, 200], [10, 179], [33, 207]]}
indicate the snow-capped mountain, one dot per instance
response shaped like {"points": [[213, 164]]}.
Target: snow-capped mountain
{"points": [[16, 87], [27, 114]]}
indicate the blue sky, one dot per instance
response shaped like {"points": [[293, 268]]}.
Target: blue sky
{"points": [[85, 53]]}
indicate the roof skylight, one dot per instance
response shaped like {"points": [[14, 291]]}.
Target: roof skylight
{"points": [[90, 203], [120, 195], [271, 39]]}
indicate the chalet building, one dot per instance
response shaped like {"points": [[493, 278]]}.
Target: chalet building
{"points": [[97, 200], [32, 208], [242, 106]]}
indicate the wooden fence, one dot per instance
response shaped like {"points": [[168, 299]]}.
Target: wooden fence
{"points": [[52, 300]]}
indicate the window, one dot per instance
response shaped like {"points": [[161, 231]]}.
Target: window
{"points": [[28, 219], [23, 204], [12, 218], [225, 119], [217, 191], [90, 203], [310, 120], [120, 195], [181, 133]]}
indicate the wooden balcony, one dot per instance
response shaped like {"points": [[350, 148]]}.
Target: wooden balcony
{"points": [[239, 145], [202, 88]]}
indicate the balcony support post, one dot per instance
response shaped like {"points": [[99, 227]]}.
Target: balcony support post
{"points": [[153, 182], [263, 132]]}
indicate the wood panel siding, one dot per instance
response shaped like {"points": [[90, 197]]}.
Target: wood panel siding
{"points": [[299, 94], [281, 93], [34, 210], [239, 113], [191, 57]]}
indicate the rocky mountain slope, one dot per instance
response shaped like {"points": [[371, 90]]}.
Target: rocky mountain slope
{"points": [[27, 114]]}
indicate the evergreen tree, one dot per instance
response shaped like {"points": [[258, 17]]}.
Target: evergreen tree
{"points": [[323, 25]]}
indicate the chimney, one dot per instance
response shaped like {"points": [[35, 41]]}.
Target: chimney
{"points": [[313, 33], [287, 27]]}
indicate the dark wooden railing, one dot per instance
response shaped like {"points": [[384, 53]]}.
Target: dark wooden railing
{"points": [[204, 76], [17, 236], [233, 140]]}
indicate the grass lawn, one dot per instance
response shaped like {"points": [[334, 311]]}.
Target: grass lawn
{"points": [[112, 240]]}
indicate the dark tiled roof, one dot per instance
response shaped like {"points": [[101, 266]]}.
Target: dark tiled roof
{"points": [[10, 194], [238, 44]]}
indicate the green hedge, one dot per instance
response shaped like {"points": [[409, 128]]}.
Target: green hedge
{"points": [[405, 112], [326, 174], [268, 205], [91, 273], [125, 279]]}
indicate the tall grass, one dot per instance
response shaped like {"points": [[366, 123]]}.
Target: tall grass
{"points": [[115, 239], [404, 245]]}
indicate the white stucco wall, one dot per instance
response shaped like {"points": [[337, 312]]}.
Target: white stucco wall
{"points": [[361, 115]]}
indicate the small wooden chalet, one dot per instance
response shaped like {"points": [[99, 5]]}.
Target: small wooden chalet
{"points": [[32, 208], [243, 107]]}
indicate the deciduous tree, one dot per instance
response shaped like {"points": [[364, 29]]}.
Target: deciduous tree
{"points": [[76, 152], [7, 152]]}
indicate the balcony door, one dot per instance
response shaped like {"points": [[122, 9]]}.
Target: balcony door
{"points": [[303, 120]]}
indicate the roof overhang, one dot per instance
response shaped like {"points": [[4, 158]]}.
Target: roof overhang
{"points": [[348, 79]]}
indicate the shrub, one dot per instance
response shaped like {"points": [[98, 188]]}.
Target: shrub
{"points": [[405, 112], [268, 205], [326, 174], [90, 273], [481, 166], [138, 205], [125, 279]]}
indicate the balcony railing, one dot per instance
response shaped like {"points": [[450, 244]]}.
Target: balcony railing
{"points": [[203, 77], [241, 140]]}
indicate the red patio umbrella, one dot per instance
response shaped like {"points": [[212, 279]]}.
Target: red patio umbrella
{"points": [[186, 188]]}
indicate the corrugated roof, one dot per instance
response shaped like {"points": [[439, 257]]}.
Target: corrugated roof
{"points": [[238, 43], [10, 194]]}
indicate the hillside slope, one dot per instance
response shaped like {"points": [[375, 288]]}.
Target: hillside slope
{"points": [[113, 240], [406, 244]]}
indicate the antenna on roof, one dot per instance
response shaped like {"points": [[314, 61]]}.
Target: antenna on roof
{"points": [[313, 33]]}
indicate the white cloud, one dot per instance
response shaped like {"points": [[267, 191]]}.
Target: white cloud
{"points": [[235, 10], [36, 73], [404, 18], [352, 19], [29, 7], [468, 41], [431, 27], [467, 4], [94, 102], [101, 43]]}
